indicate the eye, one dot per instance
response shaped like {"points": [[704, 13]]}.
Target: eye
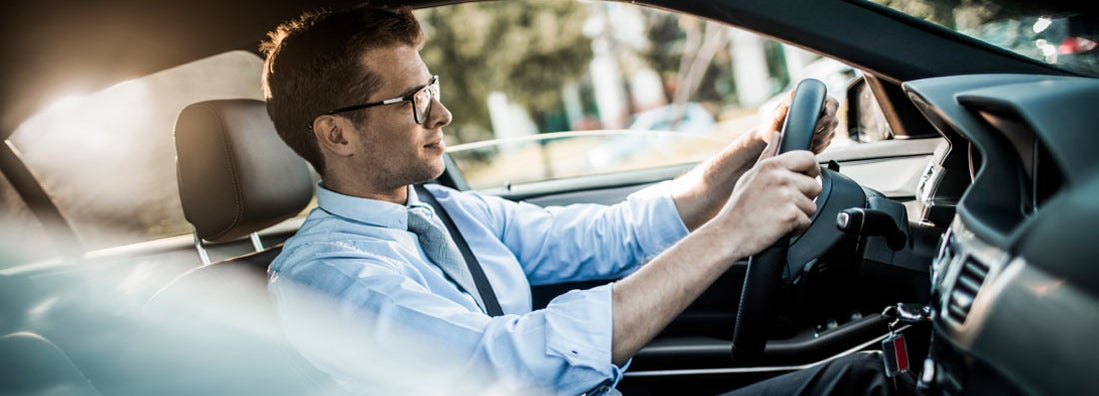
{"points": [[422, 98]]}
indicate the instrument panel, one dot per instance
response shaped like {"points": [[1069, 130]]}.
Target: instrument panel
{"points": [[1015, 282]]}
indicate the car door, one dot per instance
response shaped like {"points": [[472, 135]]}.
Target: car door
{"points": [[541, 168]]}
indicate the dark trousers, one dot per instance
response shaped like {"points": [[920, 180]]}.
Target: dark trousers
{"points": [[856, 374]]}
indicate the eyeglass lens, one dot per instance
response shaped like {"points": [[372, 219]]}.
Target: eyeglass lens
{"points": [[422, 100]]}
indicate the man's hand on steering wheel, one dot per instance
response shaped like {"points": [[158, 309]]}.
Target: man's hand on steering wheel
{"points": [[772, 199], [823, 133], [809, 125]]}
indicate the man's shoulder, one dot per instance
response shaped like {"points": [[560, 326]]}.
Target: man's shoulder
{"points": [[330, 239], [478, 204], [441, 191], [343, 243], [344, 254]]}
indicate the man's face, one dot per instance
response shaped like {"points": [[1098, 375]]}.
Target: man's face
{"points": [[395, 149]]}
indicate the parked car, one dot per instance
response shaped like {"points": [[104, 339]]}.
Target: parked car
{"points": [[979, 203]]}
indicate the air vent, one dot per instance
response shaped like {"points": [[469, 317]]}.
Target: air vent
{"points": [[969, 281]]}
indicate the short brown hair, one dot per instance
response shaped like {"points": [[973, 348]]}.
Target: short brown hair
{"points": [[313, 66]]}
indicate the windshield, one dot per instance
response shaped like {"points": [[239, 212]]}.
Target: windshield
{"points": [[1057, 33], [633, 87]]}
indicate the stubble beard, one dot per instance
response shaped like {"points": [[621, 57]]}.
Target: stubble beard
{"points": [[395, 173]]}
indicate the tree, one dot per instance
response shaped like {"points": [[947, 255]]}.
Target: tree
{"points": [[693, 55], [523, 49], [963, 14]]}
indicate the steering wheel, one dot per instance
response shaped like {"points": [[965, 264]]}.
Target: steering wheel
{"points": [[764, 277]]}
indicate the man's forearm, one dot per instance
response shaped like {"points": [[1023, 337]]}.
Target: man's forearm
{"points": [[701, 193], [646, 301]]}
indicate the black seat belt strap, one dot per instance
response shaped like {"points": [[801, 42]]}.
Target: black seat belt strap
{"points": [[488, 296]]}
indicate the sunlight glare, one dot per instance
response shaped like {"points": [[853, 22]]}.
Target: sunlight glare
{"points": [[1042, 24]]}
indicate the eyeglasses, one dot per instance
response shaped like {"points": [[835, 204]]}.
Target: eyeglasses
{"points": [[421, 101]]}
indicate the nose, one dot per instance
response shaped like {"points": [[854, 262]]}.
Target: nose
{"points": [[438, 116]]}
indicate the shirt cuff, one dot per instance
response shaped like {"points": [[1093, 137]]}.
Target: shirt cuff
{"points": [[664, 227], [580, 328]]}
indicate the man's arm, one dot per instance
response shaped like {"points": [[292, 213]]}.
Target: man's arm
{"points": [[701, 193], [773, 199]]}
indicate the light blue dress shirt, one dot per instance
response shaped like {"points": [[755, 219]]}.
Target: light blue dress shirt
{"points": [[359, 252]]}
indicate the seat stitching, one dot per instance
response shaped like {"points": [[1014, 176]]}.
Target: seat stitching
{"points": [[238, 204]]}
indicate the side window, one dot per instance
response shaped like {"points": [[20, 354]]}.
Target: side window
{"points": [[107, 158], [556, 90]]}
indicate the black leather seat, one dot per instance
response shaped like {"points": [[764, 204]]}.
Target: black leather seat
{"points": [[214, 328], [235, 175]]}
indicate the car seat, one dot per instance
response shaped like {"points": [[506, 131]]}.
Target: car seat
{"points": [[214, 328]]}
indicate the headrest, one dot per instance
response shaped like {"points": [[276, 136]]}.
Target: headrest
{"points": [[235, 175]]}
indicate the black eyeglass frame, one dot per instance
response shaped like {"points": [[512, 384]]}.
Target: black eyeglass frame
{"points": [[432, 89]]}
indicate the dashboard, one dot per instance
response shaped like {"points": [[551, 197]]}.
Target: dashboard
{"points": [[1015, 282]]}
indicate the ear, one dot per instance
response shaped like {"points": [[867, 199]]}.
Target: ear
{"points": [[334, 135]]}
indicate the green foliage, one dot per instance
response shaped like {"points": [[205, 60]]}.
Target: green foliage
{"points": [[669, 41], [960, 14], [677, 44], [937, 11], [518, 48]]}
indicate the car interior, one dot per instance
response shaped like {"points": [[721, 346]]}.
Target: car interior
{"points": [[970, 231]]}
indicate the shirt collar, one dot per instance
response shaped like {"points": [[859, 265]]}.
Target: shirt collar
{"points": [[365, 210]]}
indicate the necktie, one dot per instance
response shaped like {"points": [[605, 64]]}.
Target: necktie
{"points": [[441, 250]]}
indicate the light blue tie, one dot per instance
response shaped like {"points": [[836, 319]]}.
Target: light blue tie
{"points": [[441, 250]]}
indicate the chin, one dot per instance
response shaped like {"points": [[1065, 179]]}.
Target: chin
{"points": [[431, 171], [438, 172]]}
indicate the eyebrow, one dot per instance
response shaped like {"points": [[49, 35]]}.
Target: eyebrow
{"points": [[413, 90]]}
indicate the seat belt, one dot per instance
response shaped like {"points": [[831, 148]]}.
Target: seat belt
{"points": [[492, 305]]}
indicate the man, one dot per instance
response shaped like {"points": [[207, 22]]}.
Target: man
{"points": [[349, 92]]}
